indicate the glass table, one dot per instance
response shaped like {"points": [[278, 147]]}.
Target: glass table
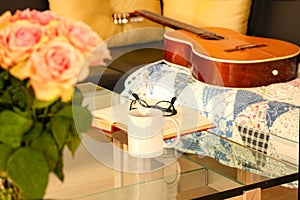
{"points": [[102, 169]]}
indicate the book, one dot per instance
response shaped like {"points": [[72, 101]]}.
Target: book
{"points": [[115, 118]]}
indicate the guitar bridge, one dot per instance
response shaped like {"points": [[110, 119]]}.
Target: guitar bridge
{"points": [[245, 47], [124, 18]]}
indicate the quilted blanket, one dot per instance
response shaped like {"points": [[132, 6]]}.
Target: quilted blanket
{"points": [[262, 118]]}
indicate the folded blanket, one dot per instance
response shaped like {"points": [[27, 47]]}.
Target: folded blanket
{"points": [[263, 118]]}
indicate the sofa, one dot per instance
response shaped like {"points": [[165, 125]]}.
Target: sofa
{"points": [[266, 18], [137, 65]]}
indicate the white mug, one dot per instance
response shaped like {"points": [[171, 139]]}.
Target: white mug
{"points": [[145, 132]]}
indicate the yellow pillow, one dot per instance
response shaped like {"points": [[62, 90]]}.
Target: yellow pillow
{"points": [[98, 14], [232, 14]]}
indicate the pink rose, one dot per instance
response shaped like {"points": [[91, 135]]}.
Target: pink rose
{"points": [[55, 69], [53, 30], [4, 19], [81, 36], [17, 41], [98, 55], [35, 16]]}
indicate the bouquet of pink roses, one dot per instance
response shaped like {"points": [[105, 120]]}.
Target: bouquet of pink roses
{"points": [[42, 57], [49, 50]]}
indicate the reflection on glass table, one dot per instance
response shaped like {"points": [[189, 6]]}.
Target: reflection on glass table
{"points": [[102, 168]]}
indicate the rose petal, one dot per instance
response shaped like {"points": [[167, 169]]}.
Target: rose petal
{"points": [[45, 91]]}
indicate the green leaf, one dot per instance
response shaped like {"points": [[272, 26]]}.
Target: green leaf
{"points": [[16, 82], [46, 144], [57, 106], [82, 118], [59, 167], [19, 97], [73, 142], [3, 78], [66, 112], [13, 127], [5, 152], [60, 129], [6, 98], [77, 97], [34, 132], [22, 113], [14, 91], [42, 104], [28, 169]]}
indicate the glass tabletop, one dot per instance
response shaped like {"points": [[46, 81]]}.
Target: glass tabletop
{"points": [[104, 170]]}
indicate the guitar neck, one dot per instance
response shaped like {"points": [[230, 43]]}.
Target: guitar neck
{"points": [[172, 23]]}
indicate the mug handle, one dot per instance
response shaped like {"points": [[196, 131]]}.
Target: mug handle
{"points": [[173, 144]]}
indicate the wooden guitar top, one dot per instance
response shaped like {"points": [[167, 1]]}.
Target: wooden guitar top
{"points": [[235, 47]]}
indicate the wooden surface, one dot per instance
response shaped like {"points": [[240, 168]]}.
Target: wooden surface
{"points": [[274, 193], [211, 64], [254, 194], [223, 57], [216, 50]]}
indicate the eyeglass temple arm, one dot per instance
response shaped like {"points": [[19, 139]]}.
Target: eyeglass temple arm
{"points": [[172, 103], [173, 100], [135, 96]]}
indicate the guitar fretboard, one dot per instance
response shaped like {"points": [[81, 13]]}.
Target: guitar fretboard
{"points": [[175, 24]]}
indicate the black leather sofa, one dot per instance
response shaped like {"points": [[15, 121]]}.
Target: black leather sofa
{"points": [[268, 18]]}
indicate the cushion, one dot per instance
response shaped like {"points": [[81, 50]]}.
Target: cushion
{"points": [[232, 14], [98, 14]]}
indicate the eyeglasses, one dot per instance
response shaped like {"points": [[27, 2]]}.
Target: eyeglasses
{"points": [[167, 107]]}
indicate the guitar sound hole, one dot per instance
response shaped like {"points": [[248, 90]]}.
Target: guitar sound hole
{"points": [[210, 37]]}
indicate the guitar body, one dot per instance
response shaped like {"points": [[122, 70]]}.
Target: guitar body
{"points": [[235, 60], [223, 57]]}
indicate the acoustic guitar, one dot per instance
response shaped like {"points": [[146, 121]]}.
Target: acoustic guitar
{"points": [[223, 57]]}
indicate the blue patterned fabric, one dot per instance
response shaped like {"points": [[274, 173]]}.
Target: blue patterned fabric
{"points": [[272, 112]]}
